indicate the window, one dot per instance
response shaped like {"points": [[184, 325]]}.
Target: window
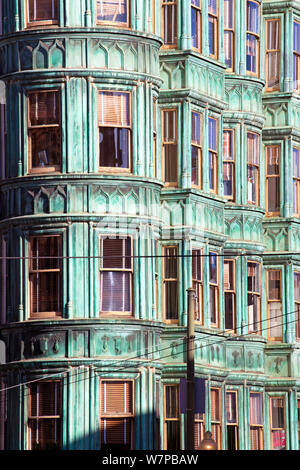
{"points": [[199, 429], [277, 423], [116, 276], [196, 24], [253, 282], [44, 132], [296, 53], [40, 12], [232, 420], [253, 31], [196, 149], [216, 413], [213, 31], [273, 179], [198, 284], [170, 283], [213, 154], [44, 416], [229, 289], [116, 414], [274, 305], [298, 409], [214, 289], [113, 12], [114, 131], [169, 23], [155, 136], [256, 421], [172, 418], [297, 303], [252, 168], [45, 277], [156, 276], [228, 164], [272, 55], [296, 181], [229, 33], [170, 147]]}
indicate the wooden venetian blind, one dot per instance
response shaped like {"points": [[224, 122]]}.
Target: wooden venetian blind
{"points": [[45, 399], [215, 405], [116, 253], [44, 108], [42, 10], [117, 398], [113, 109]]}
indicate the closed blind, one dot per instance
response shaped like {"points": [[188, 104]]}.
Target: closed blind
{"points": [[40, 10], [113, 109], [116, 398], [44, 108]]}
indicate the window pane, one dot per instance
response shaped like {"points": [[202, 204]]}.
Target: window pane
{"points": [[195, 166], [170, 24], [274, 283], [228, 14], [251, 53], [212, 33], [114, 147], [273, 194], [172, 402], [114, 109], [112, 11], [296, 161], [252, 17], [173, 435], [212, 134], [195, 23], [196, 265], [228, 179], [212, 6], [229, 311], [228, 145], [253, 277], [45, 147], [277, 412], [256, 409], [213, 268], [297, 286], [231, 407], [116, 253], [228, 46], [275, 320], [42, 10], [115, 291], [296, 39], [170, 158], [196, 128], [171, 300]]}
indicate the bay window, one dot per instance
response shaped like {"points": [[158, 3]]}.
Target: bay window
{"points": [[228, 164], [45, 277], [253, 294], [169, 23], [272, 54], [253, 37], [44, 131], [253, 141], [116, 276], [273, 179], [256, 421], [44, 415], [117, 414], [113, 12], [196, 149], [274, 305], [42, 12], [114, 131], [229, 34]]}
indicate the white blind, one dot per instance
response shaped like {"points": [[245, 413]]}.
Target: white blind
{"points": [[113, 109]]}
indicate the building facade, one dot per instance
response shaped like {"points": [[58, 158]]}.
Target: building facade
{"points": [[148, 147]]}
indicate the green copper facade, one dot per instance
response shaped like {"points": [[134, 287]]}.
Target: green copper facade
{"points": [[81, 203]]}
